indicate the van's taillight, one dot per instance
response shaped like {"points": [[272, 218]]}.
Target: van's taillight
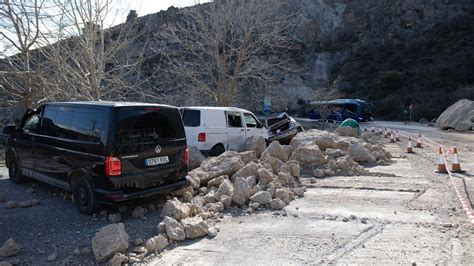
{"points": [[202, 137], [113, 166], [186, 156]]}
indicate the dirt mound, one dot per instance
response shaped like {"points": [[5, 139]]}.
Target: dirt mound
{"points": [[459, 116]]}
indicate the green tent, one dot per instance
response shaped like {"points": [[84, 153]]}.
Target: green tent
{"points": [[350, 123]]}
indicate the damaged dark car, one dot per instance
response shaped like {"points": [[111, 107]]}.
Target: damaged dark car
{"points": [[282, 127], [103, 152]]}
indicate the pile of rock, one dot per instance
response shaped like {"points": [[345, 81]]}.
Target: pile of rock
{"points": [[258, 178], [323, 153]]}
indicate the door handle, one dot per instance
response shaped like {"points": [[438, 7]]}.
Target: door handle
{"points": [[248, 129], [241, 130]]}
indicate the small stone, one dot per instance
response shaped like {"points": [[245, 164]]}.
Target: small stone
{"points": [[161, 227], [352, 217], [52, 257], [115, 217], [77, 251], [212, 231], [313, 180], [364, 220], [11, 204], [139, 212], [9, 248], [123, 208], [30, 190], [117, 260], [174, 229], [151, 207], [138, 241], [345, 219], [254, 205], [110, 239], [277, 204]]}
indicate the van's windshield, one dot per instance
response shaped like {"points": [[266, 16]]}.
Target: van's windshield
{"points": [[148, 125]]}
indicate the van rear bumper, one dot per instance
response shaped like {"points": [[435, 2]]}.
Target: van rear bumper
{"points": [[113, 197]]}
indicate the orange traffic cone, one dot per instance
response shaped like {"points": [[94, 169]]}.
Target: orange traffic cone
{"points": [[456, 167], [365, 129], [418, 142], [397, 136], [380, 131], [410, 146], [441, 166], [392, 139]]}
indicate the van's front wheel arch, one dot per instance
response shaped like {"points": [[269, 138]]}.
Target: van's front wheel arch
{"points": [[217, 150], [83, 195]]}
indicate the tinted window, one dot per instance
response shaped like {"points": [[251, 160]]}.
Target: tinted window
{"points": [[148, 125], [191, 118], [47, 126], [31, 124], [87, 125], [234, 119], [352, 108], [76, 124]]}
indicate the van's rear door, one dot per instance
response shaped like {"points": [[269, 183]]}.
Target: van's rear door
{"points": [[151, 143]]}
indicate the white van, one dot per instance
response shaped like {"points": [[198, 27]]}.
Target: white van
{"points": [[214, 130]]}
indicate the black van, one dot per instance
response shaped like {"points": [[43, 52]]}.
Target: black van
{"points": [[103, 152]]}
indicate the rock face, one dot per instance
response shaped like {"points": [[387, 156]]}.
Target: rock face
{"points": [[459, 116], [175, 209], [195, 158], [110, 239], [9, 248], [256, 144], [194, 227], [360, 154]]}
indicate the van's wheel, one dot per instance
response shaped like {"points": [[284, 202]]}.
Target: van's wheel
{"points": [[83, 195], [14, 172], [217, 150]]}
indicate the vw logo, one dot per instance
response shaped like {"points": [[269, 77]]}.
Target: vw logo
{"points": [[158, 149]]}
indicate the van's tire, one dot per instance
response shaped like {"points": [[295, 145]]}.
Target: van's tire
{"points": [[14, 172], [83, 195], [217, 150]]}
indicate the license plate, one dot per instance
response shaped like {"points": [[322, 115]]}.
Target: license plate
{"points": [[157, 161]]}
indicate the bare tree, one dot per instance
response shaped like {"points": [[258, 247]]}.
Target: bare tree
{"points": [[93, 60], [20, 24], [218, 47]]}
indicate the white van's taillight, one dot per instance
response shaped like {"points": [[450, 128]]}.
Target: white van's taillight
{"points": [[113, 166], [202, 137], [186, 156]]}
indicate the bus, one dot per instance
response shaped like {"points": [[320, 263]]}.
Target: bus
{"points": [[341, 109]]}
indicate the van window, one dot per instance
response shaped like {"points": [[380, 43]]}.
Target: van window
{"points": [[148, 125], [251, 121], [31, 124], [87, 125], [191, 118], [234, 119], [76, 124]]}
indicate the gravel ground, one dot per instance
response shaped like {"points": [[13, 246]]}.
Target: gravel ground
{"points": [[397, 214]]}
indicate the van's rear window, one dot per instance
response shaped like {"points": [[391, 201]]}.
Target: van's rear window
{"points": [[148, 125], [191, 118]]}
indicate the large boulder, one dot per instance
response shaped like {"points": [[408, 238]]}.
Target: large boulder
{"points": [[241, 191], [459, 116], [256, 144], [248, 156], [347, 131], [194, 227], [275, 150], [157, 243], [9, 248], [321, 138], [175, 209], [174, 230], [360, 154], [225, 164], [195, 157], [248, 170], [110, 240], [309, 157], [225, 188], [261, 197]]}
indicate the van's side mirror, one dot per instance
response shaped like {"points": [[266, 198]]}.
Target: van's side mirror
{"points": [[7, 130]]}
